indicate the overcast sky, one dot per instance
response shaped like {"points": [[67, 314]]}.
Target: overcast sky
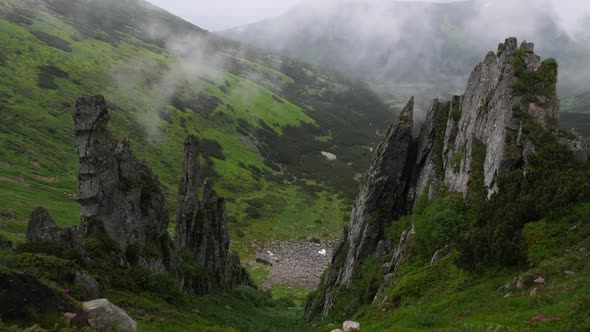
{"points": [[223, 14]]}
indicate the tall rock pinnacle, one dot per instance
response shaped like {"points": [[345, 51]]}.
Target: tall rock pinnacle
{"points": [[381, 200], [119, 195], [201, 227]]}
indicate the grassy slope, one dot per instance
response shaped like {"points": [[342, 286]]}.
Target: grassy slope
{"points": [[247, 106], [579, 103], [38, 163]]}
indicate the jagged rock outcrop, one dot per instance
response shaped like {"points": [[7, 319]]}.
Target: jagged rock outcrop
{"points": [[399, 255], [42, 227], [121, 201], [463, 146], [381, 200], [201, 226], [119, 195]]}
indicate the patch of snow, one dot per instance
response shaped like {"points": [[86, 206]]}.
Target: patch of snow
{"points": [[328, 155]]}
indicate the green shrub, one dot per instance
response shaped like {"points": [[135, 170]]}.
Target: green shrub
{"points": [[161, 285], [476, 190], [439, 225], [212, 149], [531, 84], [55, 269], [46, 77], [50, 248], [52, 41], [256, 297], [554, 182], [545, 239], [444, 277], [8, 259]]}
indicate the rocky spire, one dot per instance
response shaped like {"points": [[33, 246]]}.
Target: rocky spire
{"points": [[188, 192], [381, 200], [119, 195], [201, 227]]}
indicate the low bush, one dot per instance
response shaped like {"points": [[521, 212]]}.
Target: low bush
{"points": [[52, 41]]}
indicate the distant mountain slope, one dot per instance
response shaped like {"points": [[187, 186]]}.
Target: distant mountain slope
{"points": [[263, 120], [405, 47], [579, 103]]}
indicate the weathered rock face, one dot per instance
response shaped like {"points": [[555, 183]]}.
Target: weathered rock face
{"points": [[42, 227], [201, 226], [463, 146], [119, 195], [382, 199]]}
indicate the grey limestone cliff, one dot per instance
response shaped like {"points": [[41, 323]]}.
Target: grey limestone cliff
{"points": [[463, 146]]}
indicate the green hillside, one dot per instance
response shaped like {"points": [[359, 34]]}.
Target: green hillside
{"points": [[578, 103], [263, 119]]}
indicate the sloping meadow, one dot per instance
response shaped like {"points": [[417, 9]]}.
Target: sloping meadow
{"points": [[263, 120]]}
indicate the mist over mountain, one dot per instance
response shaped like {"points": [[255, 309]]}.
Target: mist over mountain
{"points": [[401, 47]]}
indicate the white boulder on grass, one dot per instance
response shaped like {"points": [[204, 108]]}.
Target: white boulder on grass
{"points": [[103, 315]]}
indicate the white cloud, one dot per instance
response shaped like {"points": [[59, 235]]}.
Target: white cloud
{"points": [[224, 14]]}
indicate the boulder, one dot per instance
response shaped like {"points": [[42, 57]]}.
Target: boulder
{"points": [[440, 254], [350, 326], [522, 282], [103, 315], [385, 268], [87, 285]]}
